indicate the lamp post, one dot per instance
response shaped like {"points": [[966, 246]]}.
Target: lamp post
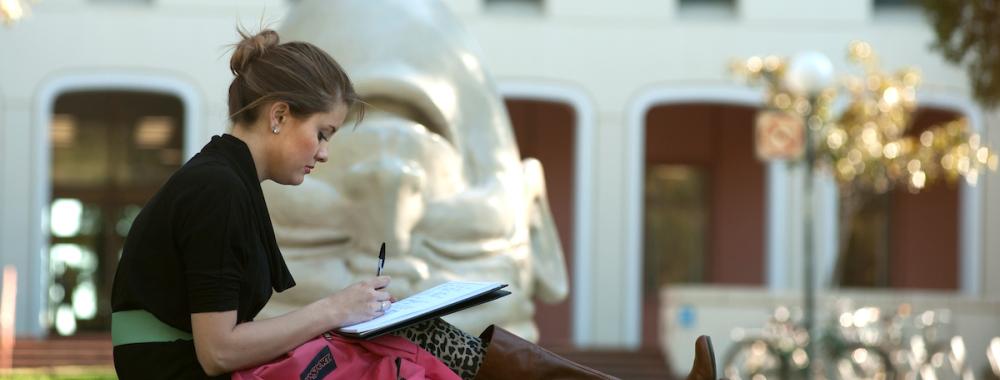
{"points": [[808, 74], [864, 144]]}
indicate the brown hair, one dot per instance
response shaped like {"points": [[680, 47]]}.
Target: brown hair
{"points": [[297, 73]]}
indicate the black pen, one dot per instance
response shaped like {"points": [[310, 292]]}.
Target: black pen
{"points": [[381, 260]]}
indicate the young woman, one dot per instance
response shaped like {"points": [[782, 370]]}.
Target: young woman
{"points": [[201, 259]]}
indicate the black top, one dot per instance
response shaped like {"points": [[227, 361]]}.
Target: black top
{"points": [[203, 243]]}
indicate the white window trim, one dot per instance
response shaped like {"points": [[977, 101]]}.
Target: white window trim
{"points": [[584, 156], [44, 103]]}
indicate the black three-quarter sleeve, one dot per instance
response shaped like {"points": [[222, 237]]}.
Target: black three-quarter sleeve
{"points": [[208, 243]]}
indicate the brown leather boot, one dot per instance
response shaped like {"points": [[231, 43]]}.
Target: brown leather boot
{"points": [[704, 360], [510, 357]]}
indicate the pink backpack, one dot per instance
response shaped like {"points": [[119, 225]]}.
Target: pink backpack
{"points": [[331, 356]]}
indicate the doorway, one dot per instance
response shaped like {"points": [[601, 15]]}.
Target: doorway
{"points": [[704, 202], [110, 152], [546, 131]]}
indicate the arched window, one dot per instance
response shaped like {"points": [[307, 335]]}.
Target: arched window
{"points": [[900, 239], [110, 152], [704, 201]]}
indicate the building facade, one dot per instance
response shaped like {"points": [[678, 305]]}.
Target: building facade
{"points": [[603, 92]]}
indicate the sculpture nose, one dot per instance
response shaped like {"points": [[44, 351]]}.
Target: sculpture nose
{"points": [[389, 195]]}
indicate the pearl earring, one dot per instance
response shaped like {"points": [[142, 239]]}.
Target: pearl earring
{"points": [[274, 128]]}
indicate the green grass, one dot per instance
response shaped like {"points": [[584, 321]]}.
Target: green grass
{"points": [[59, 373]]}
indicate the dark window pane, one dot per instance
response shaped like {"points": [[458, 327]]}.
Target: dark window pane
{"points": [[728, 3], [896, 3], [676, 221], [515, 7]]}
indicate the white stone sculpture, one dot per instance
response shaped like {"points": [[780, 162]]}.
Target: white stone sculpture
{"points": [[433, 171]]}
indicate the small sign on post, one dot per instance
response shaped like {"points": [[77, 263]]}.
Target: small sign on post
{"points": [[779, 136]]}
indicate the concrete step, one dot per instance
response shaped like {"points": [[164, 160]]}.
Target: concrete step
{"points": [[642, 364], [80, 350]]}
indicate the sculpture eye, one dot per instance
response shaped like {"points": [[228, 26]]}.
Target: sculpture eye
{"points": [[309, 241], [470, 249], [409, 110]]}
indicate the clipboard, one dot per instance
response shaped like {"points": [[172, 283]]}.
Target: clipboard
{"points": [[375, 328]]}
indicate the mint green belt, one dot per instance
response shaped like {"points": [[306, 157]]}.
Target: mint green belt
{"points": [[139, 326]]}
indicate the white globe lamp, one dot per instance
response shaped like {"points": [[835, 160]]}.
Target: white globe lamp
{"points": [[809, 73]]}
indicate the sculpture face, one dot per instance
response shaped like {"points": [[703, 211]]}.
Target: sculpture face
{"points": [[433, 171]]}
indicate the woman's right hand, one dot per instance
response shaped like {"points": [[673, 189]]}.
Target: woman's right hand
{"points": [[360, 301]]}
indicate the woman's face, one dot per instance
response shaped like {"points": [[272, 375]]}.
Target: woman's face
{"points": [[302, 144]]}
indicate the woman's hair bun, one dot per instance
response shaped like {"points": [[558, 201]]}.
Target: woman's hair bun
{"points": [[297, 73], [250, 48]]}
